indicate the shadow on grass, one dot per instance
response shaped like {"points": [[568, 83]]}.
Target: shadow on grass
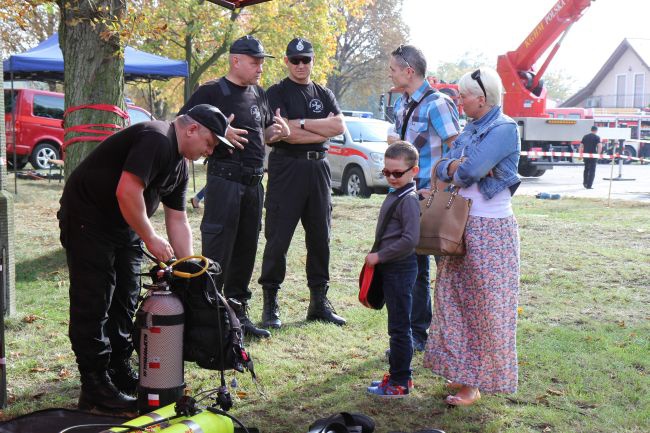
{"points": [[33, 269]]}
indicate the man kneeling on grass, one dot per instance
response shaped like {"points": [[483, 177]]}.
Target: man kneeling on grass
{"points": [[397, 264]]}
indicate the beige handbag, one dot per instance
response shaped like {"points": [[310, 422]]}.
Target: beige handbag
{"points": [[443, 217]]}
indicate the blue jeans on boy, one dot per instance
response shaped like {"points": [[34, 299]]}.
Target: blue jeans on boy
{"points": [[421, 312], [398, 279]]}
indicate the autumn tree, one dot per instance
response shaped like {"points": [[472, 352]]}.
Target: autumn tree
{"points": [[362, 51], [94, 67], [25, 23]]}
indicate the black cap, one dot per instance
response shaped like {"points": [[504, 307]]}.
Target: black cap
{"points": [[300, 47], [250, 46], [213, 119]]}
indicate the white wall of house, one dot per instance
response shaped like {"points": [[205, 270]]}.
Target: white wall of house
{"points": [[626, 85]]}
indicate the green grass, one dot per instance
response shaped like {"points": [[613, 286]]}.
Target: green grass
{"points": [[583, 335]]}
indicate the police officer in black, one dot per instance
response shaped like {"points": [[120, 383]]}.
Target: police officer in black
{"points": [[299, 184], [105, 210], [234, 194]]}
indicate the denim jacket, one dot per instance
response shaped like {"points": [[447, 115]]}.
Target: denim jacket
{"points": [[489, 143]]}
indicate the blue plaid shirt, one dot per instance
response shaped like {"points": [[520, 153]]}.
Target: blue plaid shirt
{"points": [[433, 122]]}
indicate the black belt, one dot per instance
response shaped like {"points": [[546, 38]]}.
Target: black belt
{"points": [[301, 154], [249, 176]]}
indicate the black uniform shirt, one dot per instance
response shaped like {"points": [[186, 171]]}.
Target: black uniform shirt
{"points": [[148, 150], [590, 143], [302, 101], [252, 113]]}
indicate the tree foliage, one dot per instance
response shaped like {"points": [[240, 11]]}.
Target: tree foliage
{"points": [[362, 51], [25, 23], [452, 71]]}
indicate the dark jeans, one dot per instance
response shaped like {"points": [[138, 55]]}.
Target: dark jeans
{"points": [[590, 172], [230, 230], [421, 312], [104, 288], [297, 190], [398, 279]]}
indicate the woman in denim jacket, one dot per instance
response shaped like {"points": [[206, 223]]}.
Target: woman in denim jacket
{"points": [[472, 335]]}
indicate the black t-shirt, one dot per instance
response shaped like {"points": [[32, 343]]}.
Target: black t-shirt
{"points": [[148, 150], [302, 101], [252, 113], [590, 143]]}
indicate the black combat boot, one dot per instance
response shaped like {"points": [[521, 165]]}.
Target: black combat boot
{"points": [[271, 311], [98, 393], [123, 376], [249, 327], [320, 307]]}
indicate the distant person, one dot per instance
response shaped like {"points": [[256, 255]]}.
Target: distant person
{"points": [[590, 144], [431, 127], [300, 183], [472, 339], [397, 265]]}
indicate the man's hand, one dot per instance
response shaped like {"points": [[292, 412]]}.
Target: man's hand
{"points": [[279, 130], [160, 248], [236, 135], [372, 259]]}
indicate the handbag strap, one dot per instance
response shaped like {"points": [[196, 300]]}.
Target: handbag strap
{"points": [[434, 175], [387, 217], [408, 113]]}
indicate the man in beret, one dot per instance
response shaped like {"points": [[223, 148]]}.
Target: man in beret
{"points": [[299, 185], [234, 196], [105, 210]]}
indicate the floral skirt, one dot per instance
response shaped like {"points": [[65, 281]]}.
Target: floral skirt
{"points": [[472, 338]]}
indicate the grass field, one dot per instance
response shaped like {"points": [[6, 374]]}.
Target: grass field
{"points": [[583, 334]]}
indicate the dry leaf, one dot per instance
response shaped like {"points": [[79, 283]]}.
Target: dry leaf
{"points": [[554, 392]]}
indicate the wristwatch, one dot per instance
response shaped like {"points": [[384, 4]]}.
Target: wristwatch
{"points": [[302, 123]]}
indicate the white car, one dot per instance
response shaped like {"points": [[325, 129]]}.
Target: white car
{"points": [[356, 157]]}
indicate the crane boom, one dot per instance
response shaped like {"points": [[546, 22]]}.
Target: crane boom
{"points": [[525, 94]]}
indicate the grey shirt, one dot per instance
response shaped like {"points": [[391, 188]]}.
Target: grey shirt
{"points": [[403, 231]]}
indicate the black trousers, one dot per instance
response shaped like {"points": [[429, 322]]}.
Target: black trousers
{"points": [[230, 229], [104, 287], [590, 172], [297, 190]]}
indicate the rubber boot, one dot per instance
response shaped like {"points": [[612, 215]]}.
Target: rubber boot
{"points": [[98, 393], [320, 307], [123, 376], [249, 327], [271, 310]]}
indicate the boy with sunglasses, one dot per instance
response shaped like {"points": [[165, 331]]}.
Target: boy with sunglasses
{"points": [[299, 185], [397, 265]]}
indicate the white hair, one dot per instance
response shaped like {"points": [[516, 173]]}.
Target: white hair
{"points": [[491, 81]]}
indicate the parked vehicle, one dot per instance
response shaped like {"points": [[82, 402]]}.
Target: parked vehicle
{"points": [[39, 126], [356, 157]]}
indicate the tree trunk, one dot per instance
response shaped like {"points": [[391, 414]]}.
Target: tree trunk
{"points": [[94, 68]]}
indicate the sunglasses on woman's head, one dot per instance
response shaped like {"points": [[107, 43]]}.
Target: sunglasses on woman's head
{"points": [[395, 174], [298, 60], [476, 76]]}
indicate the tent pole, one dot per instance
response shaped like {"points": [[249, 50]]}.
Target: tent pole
{"points": [[13, 128], [150, 99]]}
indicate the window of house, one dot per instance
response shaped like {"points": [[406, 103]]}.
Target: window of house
{"points": [[620, 90], [639, 84]]}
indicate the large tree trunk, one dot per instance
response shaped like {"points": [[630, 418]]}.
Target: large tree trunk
{"points": [[94, 68]]}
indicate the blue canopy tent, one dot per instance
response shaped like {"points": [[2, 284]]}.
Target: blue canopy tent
{"points": [[45, 63]]}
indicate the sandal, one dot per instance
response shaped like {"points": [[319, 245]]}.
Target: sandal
{"points": [[456, 400], [453, 386], [195, 202]]}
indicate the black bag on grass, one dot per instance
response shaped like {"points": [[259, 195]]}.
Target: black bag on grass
{"points": [[343, 422]]}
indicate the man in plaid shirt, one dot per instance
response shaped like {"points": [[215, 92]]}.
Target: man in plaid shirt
{"points": [[431, 127]]}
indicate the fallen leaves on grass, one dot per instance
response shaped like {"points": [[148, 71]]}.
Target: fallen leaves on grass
{"points": [[39, 369], [64, 373], [552, 391], [31, 318]]}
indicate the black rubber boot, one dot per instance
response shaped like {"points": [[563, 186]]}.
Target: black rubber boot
{"points": [[123, 376], [98, 393], [320, 307], [249, 327], [271, 310]]}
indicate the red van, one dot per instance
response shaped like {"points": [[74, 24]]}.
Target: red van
{"points": [[39, 130]]}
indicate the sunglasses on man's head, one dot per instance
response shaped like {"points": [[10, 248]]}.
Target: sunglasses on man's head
{"points": [[476, 76], [400, 52], [395, 174], [298, 60]]}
